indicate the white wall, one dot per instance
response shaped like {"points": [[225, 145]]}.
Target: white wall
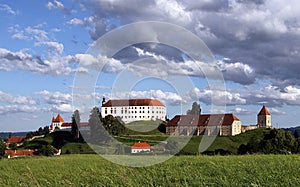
{"points": [[135, 113]]}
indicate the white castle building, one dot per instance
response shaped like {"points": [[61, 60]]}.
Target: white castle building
{"points": [[130, 110]]}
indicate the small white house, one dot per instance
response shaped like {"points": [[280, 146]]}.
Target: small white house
{"points": [[140, 147]]}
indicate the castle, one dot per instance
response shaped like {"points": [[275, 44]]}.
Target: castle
{"points": [[134, 109], [215, 124]]}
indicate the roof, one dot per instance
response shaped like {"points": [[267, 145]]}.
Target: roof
{"points": [[84, 123], [15, 139], [132, 102], [15, 153], [202, 120], [66, 125], [140, 145], [58, 119], [264, 111]]}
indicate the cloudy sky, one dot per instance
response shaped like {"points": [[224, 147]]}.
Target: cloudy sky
{"points": [[256, 45]]}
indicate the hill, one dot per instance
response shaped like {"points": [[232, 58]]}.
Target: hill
{"points": [[92, 170]]}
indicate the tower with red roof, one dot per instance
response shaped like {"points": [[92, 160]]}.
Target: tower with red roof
{"points": [[264, 118]]}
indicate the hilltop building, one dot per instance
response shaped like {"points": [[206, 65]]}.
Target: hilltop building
{"points": [[58, 123], [208, 124], [134, 109], [263, 120], [215, 124]]}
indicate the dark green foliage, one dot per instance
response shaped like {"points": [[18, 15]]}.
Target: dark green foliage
{"points": [[162, 127], [39, 132], [2, 149], [47, 150], [113, 126], [75, 125], [98, 134], [275, 142], [13, 146], [196, 110]]}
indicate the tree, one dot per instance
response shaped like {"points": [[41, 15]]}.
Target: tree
{"points": [[2, 149], [196, 110], [48, 150], [98, 134], [75, 124], [172, 146], [13, 146]]}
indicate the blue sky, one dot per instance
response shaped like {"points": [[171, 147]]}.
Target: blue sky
{"points": [[256, 44]]}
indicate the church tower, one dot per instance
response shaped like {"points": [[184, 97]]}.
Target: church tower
{"points": [[264, 118]]}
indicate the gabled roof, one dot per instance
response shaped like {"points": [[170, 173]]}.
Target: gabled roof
{"points": [[15, 139], [132, 102], [202, 120], [264, 111], [58, 119], [140, 145]]}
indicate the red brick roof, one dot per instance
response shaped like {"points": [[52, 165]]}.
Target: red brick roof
{"points": [[15, 139], [140, 145], [202, 120], [16, 153], [133, 102], [264, 111], [58, 119]]}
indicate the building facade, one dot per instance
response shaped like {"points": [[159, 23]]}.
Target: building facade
{"points": [[208, 124], [59, 123], [138, 147], [134, 109], [264, 118]]}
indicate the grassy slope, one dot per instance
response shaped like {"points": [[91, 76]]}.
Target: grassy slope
{"points": [[92, 170]]}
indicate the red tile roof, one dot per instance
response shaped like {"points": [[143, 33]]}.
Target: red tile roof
{"points": [[16, 153], [140, 145], [15, 139], [133, 102], [66, 124], [264, 111], [58, 119], [202, 120]]}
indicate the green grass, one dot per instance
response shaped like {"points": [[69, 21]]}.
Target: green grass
{"points": [[92, 170]]}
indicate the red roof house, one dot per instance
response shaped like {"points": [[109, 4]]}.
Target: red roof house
{"points": [[20, 153], [140, 146]]}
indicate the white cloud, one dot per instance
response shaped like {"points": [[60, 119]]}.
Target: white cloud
{"points": [[57, 47], [8, 9], [10, 99], [217, 97], [10, 109], [55, 97], [241, 111], [76, 21]]}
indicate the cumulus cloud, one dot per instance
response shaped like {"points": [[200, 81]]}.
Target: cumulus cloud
{"points": [[10, 99], [258, 35], [53, 46], [22, 60], [55, 97], [241, 111]]}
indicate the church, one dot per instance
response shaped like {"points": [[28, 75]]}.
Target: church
{"points": [[215, 124]]}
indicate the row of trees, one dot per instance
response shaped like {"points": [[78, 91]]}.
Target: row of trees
{"points": [[277, 141], [100, 128]]}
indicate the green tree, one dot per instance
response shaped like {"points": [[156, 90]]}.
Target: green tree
{"points": [[75, 124], [47, 150], [13, 146], [98, 134], [196, 110], [2, 148]]}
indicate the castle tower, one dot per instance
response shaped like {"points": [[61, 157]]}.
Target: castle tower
{"points": [[264, 118]]}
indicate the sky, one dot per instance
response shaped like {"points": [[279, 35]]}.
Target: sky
{"points": [[44, 44]]}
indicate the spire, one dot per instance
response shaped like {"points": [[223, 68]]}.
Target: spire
{"points": [[264, 111]]}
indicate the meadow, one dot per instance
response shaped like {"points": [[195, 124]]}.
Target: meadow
{"points": [[200, 170]]}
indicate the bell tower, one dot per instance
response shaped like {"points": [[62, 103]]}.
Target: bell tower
{"points": [[264, 118]]}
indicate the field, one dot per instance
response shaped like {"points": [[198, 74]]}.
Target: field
{"points": [[92, 170]]}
